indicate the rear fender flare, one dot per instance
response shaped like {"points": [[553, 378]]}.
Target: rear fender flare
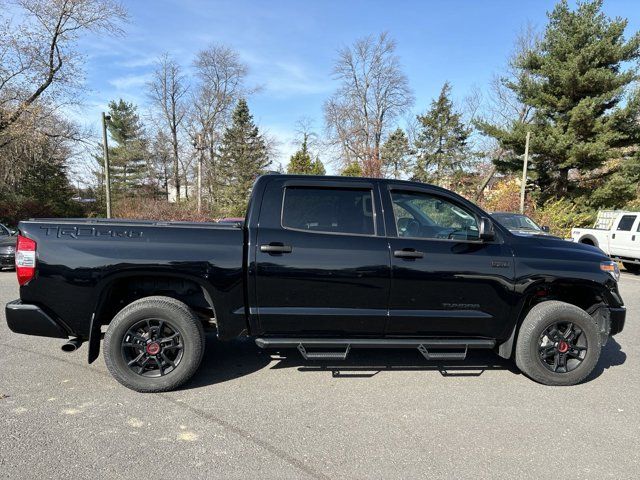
{"points": [[105, 285]]}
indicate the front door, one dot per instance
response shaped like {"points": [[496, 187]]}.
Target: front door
{"points": [[445, 280], [322, 263]]}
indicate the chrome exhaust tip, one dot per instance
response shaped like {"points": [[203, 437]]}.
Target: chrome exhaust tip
{"points": [[72, 345]]}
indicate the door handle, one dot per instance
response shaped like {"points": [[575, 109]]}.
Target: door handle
{"points": [[408, 253], [275, 248]]}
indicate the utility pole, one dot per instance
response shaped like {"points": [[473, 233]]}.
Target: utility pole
{"points": [[524, 172], [107, 179]]}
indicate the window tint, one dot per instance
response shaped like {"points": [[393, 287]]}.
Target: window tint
{"points": [[516, 221], [403, 217], [626, 222], [3, 231], [328, 210], [429, 216]]}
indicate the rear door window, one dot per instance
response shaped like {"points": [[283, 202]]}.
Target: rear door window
{"points": [[328, 210]]}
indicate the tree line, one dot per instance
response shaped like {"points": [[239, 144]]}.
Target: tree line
{"points": [[572, 86], [40, 74]]}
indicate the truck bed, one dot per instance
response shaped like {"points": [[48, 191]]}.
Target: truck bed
{"points": [[81, 261]]}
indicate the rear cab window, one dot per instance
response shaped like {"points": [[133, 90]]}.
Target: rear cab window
{"points": [[346, 211], [626, 222]]}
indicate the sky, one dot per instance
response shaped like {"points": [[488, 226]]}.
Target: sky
{"points": [[290, 46]]}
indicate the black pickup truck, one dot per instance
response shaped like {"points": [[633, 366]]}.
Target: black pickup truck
{"points": [[322, 265]]}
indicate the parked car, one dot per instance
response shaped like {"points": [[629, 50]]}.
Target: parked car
{"points": [[621, 242], [519, 223], [323, 265], [7, 247]]}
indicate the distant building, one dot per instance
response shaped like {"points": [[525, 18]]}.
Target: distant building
{"points": [[185, 191]]}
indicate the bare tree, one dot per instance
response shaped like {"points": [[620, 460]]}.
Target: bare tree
{"points": [[373, 92], [220, 75], [305, 131], [504, 108], [167, 91], [504, 105], [160, 161], [39, 56]]}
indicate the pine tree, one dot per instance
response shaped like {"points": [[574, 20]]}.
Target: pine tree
{"points": [[441, 144], [575, 80], [46, 183], [128, 157], [317, 167], [396, 154], [301, 162], [352, 170], [243, 157]]}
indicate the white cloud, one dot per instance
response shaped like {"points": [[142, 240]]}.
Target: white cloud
{"points": [[130, 81], [285, 78], [138, 62]]}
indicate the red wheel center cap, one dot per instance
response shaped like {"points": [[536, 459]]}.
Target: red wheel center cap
{"points": [[153, 348], [563, 346]]}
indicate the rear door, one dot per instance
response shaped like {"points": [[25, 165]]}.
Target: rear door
{"points": [[624, 236], [445, 280], [322, 264]]}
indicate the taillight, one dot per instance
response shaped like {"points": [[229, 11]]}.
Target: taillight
{"points": [[25, 259]]}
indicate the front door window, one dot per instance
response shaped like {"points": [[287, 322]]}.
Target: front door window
{"points": [[420, 215]]}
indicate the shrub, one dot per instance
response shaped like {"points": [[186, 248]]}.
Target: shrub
{"points": [[633, 205], [150, 209], [562, 215], [15, 208], [505, 197]]}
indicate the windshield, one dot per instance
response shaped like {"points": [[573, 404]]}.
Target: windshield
{"points": [[516, 222], [4, 231]]}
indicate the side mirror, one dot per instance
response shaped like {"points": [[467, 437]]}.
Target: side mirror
{"points": [[13, 232], [485, 229], [546, 229]]}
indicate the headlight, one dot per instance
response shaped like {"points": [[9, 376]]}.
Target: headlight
{"points": [[611, 268]]}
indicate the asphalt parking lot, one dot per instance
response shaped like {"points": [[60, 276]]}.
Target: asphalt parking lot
{"points": [[382, 414]]}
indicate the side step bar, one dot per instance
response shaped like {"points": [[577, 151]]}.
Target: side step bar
{"points": [[323, 355], [342, 346]]}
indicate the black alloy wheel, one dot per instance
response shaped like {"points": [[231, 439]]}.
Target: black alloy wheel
{"points": [[152, 347], [562, 347]]}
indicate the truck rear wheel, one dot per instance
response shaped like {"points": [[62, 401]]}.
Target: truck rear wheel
{"points": [[154, 344], [631, 267], [558, 344]]}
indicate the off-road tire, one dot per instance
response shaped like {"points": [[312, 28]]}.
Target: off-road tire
{"points": [[535, 323], [180, 317]]}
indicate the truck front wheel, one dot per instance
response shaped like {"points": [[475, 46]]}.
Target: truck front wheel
{"points": [[558, 344], [154, 344]]}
